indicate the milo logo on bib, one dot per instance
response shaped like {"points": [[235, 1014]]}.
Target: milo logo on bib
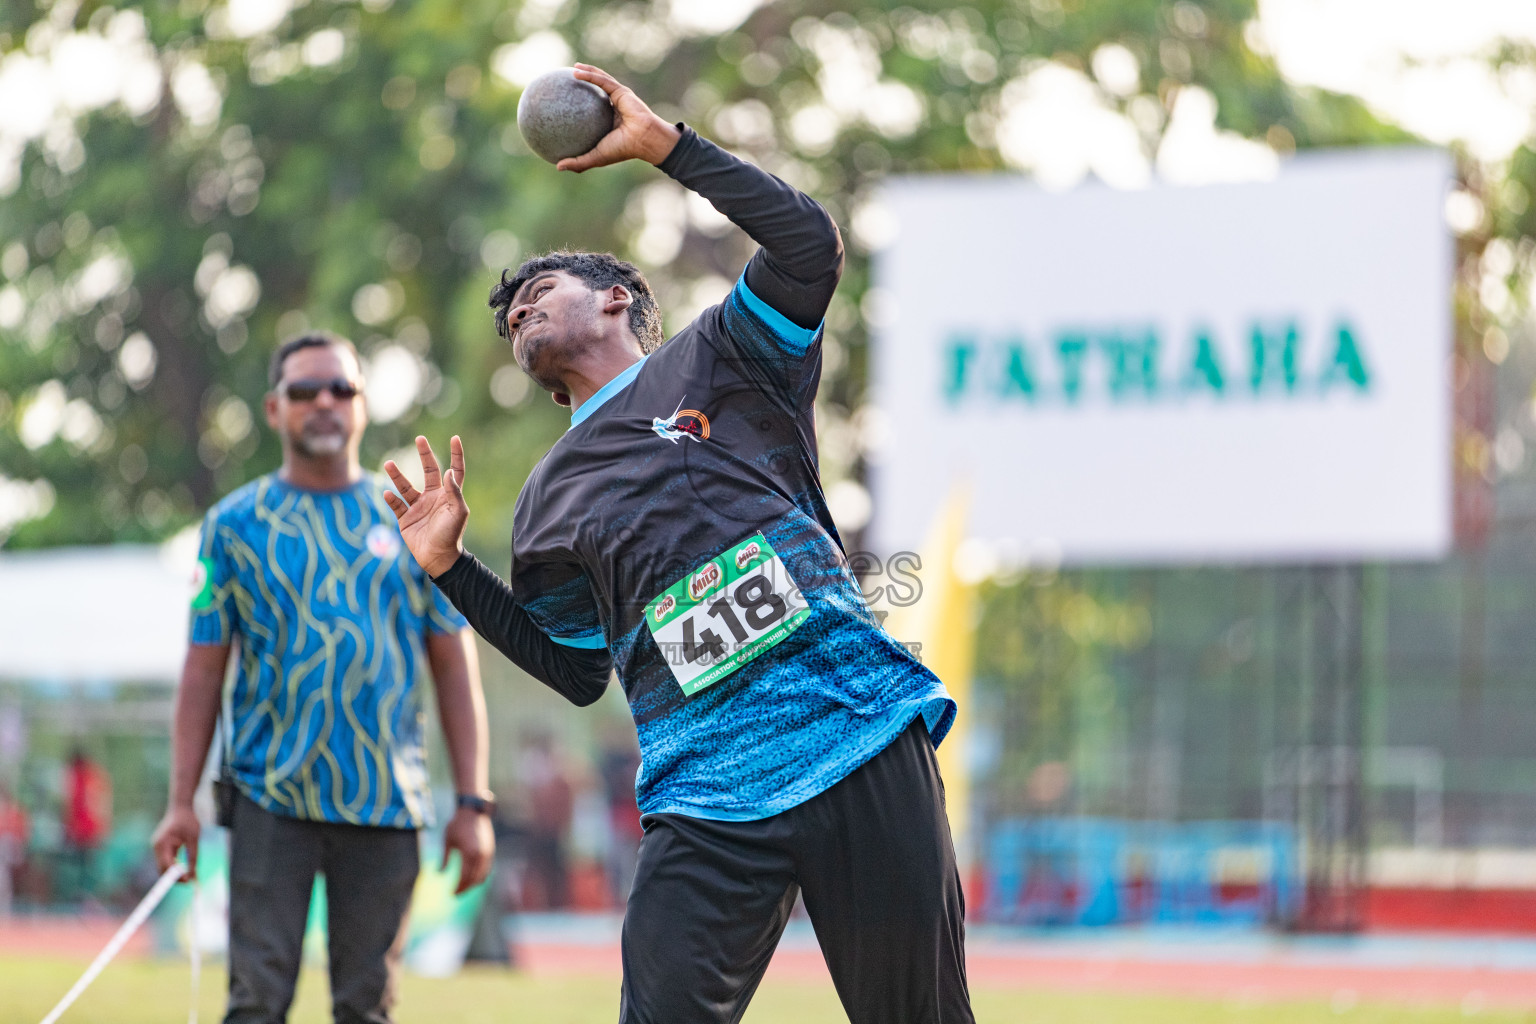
{"points": [[703, 581], [666, 605], [748, 554], [732, 609]]}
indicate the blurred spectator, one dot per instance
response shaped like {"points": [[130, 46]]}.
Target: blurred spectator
{"points": [[618, 765], [87, 817], [336, 628], [13, 737], [550, 801], [14, 832]]}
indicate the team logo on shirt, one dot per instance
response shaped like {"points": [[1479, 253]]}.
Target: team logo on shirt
{"points": [[682, 423], [703, 581], [202, 583], [383, 541]]}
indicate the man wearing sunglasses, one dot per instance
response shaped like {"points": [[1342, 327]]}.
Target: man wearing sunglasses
{"points": [[678, 535], [303, 576]]}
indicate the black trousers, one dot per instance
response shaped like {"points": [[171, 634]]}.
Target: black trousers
{"points": [[369, 876], [872, 857]]}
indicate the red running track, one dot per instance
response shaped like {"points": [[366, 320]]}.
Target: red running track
{"points": [[66, 936], [1026, 965], [999, 966]]}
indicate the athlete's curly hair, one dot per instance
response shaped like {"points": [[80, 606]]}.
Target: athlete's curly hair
{"points": [[598, 270]]}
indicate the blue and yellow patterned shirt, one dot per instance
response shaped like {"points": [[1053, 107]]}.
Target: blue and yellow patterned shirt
{"points": [[332, 613]]}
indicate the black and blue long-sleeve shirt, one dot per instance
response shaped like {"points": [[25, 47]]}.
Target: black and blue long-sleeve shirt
{"points": [[678, 534]]}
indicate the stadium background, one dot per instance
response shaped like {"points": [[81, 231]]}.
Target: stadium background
{"points": [[184, 184]]}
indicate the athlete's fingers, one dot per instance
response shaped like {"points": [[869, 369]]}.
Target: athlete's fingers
{"points": [[407, 494], [604, 153], [598, 77], [398, 507], [191, 873], [620, 95], [456, 461], [431, 472]]}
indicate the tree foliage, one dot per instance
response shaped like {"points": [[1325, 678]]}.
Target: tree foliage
{"points": [[266, 166]]}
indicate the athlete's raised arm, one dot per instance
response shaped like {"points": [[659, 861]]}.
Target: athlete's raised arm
{"points": [[801, 259], [432, 526]]}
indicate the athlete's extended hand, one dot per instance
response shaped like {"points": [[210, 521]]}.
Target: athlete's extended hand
{"points": [[432, 519], [637, 132]]}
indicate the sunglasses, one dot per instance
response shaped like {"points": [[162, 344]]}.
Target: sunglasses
{"points": [[308, 390]]}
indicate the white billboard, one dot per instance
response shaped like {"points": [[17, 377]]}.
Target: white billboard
{"points": [[1241, 372]]}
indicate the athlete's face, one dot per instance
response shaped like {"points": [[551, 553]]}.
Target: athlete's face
{"points": [[306, 409], [554, 317]]}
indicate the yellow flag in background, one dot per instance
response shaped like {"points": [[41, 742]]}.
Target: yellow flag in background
{"points": [[943, 621]]}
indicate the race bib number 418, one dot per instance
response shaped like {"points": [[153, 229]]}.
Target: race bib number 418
{"points": [[730, 610]]}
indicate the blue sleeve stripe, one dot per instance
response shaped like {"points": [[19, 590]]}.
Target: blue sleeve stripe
{"points": [[795, 338], [585, 643]]}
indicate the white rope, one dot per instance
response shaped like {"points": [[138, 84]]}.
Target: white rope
{"points": [[146, 907], [195, 949]]}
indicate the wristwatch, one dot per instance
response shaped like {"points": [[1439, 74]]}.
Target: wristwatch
{"points": [[480, 803]]}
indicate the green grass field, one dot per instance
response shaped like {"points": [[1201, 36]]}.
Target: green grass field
{"points": [[155, 992]]}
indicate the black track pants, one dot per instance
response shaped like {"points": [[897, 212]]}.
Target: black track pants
{"points": [[369, 876], [874, 860]]}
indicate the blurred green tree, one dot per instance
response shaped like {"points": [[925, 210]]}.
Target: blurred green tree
{"points": [[199, 179], [1050, 651]]}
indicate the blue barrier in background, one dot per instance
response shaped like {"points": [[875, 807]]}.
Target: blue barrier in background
{"points": [[1097, 871]]}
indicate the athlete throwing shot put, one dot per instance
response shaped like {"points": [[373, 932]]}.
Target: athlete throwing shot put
{"points": [[677, 533]]}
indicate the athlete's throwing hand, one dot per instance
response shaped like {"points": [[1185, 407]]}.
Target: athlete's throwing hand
{"points": [[432, 519], [637, 134]]}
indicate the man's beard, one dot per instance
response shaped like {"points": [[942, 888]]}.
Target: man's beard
{"points": [[320, 439]]}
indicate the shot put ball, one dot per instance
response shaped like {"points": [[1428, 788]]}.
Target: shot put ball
{"points": [[560, 115]]}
